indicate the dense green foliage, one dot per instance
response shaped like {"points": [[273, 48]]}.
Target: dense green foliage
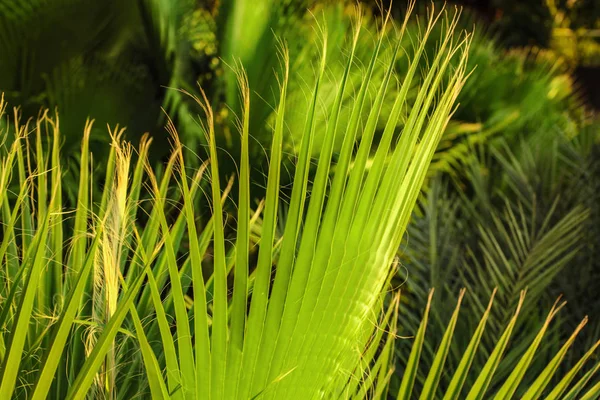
{"points": [[527, 228], [133, 273]]}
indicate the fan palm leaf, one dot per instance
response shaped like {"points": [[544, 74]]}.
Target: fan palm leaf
{"points": [[306, 313], [268, 353]]}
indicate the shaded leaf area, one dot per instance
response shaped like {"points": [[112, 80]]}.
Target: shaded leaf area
{"points": [[425, 379], [520, 219]]}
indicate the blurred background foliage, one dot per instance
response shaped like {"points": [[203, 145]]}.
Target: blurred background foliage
{"points": [[512, 200]]}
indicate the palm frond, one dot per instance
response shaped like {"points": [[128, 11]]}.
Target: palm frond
{"points": [[293, 340], [485, 386]]}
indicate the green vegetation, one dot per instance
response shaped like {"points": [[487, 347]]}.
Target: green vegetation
{"points": [[363, 208]]}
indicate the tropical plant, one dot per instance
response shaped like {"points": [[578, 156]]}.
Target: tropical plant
{"points": [[124, 298], [581, 186], [140, 49], [513, 96], [134, 52], [518, 220], [133, 297], [152, 324], [445, 379], [575, 31]]}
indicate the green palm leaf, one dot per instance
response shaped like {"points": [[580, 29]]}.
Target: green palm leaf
{"points": [[149, 309]]}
